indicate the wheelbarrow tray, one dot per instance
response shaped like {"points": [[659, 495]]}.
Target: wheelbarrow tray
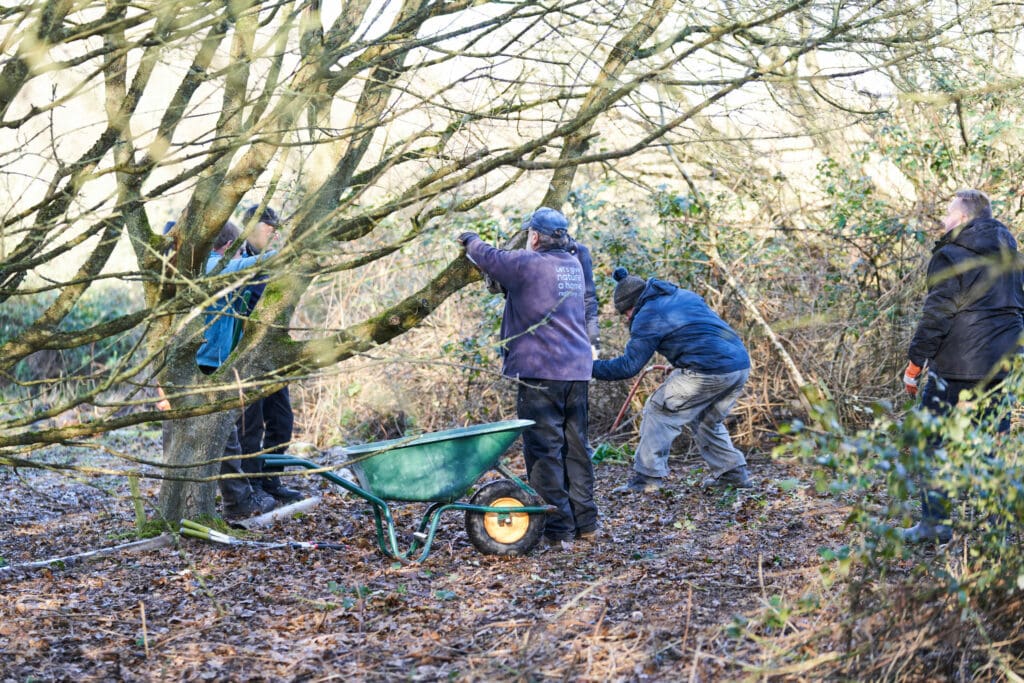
{"points": [[437, 467]]}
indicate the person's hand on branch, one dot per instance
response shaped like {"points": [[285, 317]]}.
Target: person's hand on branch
{"points": [[163, 403]]}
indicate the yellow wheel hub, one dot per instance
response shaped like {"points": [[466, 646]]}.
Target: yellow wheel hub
{"points": [[506, 528]]}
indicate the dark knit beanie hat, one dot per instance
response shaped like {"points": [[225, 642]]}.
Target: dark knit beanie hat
{"points": [[627, 289]]}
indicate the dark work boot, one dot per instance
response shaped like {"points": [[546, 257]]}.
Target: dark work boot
{"points": [[236, 494], [257, 503], [640, 483], [737, 477], [927, 530], [279, 491], [263, 500]]}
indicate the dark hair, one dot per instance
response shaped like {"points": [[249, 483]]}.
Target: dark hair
{"points": [[975, 202], [559, 240], [268, 216], [228, 234]]}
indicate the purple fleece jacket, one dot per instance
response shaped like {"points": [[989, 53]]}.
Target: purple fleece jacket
{"points": [[544, 327]]}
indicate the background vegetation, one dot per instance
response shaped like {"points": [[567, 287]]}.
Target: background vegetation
{"points": [[784, 160]]}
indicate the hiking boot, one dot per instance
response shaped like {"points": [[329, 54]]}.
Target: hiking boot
{"points": [[927, 530], [255, 504], [737, 477], [548, 544], [265, 501], [640, 483], [282, 494], [589, 535]]}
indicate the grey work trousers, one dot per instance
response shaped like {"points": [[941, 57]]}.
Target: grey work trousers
{"points": [[690, 399]]}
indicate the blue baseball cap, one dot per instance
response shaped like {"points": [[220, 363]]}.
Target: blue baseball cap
{"points": [[547, 221]]}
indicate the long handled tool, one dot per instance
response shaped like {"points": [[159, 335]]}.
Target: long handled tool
{"points": [[636, 385], [196, 530]]}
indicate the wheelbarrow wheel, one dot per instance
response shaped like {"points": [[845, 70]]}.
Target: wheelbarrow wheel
{"points": [[503, 534]]}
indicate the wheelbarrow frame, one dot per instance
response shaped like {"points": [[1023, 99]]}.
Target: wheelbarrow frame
{"points": [[423, 538]]}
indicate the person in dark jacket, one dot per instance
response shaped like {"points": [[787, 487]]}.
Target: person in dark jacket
{"points": [[547, 350], [266, 424], [711, 368], [970, 326]]}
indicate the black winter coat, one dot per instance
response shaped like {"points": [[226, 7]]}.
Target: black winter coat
{"points": [[973, 311]]}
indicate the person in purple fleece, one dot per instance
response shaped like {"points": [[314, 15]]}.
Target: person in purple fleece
{"points": [[546, 348]]}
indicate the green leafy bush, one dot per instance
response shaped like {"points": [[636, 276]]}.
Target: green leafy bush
{"points": [[961, 594], [97, 306]]}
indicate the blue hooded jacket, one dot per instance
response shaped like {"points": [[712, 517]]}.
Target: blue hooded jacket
{"points": [[544, 328], [219, 336], [677, 324]]}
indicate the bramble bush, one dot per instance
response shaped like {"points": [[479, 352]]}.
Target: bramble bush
{"points": [[968, 596]]}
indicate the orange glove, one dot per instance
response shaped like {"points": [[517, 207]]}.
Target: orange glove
{"points": [[910, 378]]}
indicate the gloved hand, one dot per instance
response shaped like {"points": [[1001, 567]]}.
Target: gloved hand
{"points": [[910, 378], [465, 236]]}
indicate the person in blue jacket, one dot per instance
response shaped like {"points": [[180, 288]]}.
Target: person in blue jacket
{"points": [[238, 496], [266, 424], [711, 368], [547, 350]]}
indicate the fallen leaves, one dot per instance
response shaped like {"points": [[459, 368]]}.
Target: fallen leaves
{"points": [[650, 598]]}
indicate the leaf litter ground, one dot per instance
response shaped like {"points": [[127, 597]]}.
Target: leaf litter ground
{"points": [[654, 598]]}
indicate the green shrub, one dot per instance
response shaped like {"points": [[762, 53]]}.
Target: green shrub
{"points": [[97, 306], [963, 594]]}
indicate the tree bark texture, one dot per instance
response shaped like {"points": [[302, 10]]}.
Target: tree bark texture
{"points": [[190, 448]]}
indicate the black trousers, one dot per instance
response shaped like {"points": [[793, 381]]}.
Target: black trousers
{"points": [[940, 397], [232, 491], [558, 465], [265, 424]]}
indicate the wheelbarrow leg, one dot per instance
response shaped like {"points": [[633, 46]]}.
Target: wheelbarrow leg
{"points": [[387, 539], [432, 517], [428, 516]]}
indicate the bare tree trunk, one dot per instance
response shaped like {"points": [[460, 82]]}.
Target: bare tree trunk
{"points": [[186, 442]]}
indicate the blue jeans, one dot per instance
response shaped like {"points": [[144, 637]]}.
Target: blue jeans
{"points": [[690, 399], [558, 465], [940, 396]]}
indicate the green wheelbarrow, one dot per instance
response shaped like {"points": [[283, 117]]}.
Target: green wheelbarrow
{"points": [[503, 517]]}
